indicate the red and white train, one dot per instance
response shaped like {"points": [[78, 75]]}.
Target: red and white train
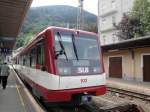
{"points": [[62, 65]]}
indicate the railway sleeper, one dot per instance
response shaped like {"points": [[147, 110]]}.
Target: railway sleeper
{"points": [[121, 108]]}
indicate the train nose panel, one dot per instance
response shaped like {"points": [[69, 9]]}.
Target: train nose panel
{"points": [[70, 82]]}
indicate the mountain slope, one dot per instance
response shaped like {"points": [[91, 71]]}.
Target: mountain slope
{"points": [[38, 18]]}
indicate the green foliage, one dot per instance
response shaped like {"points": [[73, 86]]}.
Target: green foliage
{"points": [[137, 22], [28, 38], [141, 10], [129, 27], [39, 18], [23, 39], [19, 42]]}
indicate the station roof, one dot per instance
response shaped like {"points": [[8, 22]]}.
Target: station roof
{"points": [[12, 14], [128, 44]]}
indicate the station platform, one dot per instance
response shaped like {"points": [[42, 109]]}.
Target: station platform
{"points": [[133, 86], [14, 98]]}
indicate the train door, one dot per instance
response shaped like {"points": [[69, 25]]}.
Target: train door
{"points": [[40, 56]]}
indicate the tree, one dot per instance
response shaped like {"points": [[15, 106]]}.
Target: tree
{"points": [[20, 42], [137, 22], [23, 39], [128, 27], [141, 11], [28, 38]]}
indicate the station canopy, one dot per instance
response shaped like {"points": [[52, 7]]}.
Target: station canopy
{"points": [[140, 42], [12, 14]]}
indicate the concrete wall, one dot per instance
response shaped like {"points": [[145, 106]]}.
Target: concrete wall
{"points": [[132, 62]]}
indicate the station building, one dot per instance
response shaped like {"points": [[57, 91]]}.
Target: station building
{"points": [[128, 60]]}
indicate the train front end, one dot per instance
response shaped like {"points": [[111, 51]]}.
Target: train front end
{"points": [[79, 65]]}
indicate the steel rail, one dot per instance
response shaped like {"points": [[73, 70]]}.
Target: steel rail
{"points": [[129, 93]]}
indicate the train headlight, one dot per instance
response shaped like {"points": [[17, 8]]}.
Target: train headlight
{"points": [[96, 69], [65, 70]]}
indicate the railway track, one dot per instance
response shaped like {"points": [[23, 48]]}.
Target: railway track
{"points": [[93, 108], [129, 93], [112, 108]]}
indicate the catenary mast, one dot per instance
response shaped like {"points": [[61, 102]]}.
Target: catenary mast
{"points": [[80, 17]]}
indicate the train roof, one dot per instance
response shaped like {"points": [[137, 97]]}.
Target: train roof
{"points": [[53, 28], [68, 29], [60, 28]]}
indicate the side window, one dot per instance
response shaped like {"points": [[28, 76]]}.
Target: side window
{"points": [[21, 60], [40, 53], [24, 60], [28, 59], [18, 60], [32, 58]]}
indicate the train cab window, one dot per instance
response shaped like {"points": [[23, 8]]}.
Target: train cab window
{"points": [[40, 54]]}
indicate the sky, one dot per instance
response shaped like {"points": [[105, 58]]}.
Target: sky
{"points": [[89, 5]]}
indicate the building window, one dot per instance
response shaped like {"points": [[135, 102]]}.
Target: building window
{"points": [[113, 37], [103, 21], [113, 4], [113, 19], [104, 39], [103, 7]]}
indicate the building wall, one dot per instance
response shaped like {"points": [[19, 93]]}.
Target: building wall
{"points": [[111, 11], [132, 62], [139, 62], [126, 60], [108, 37]]}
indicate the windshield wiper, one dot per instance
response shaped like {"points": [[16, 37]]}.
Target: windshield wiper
{"points": [[74, 47], [62, 51]]}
